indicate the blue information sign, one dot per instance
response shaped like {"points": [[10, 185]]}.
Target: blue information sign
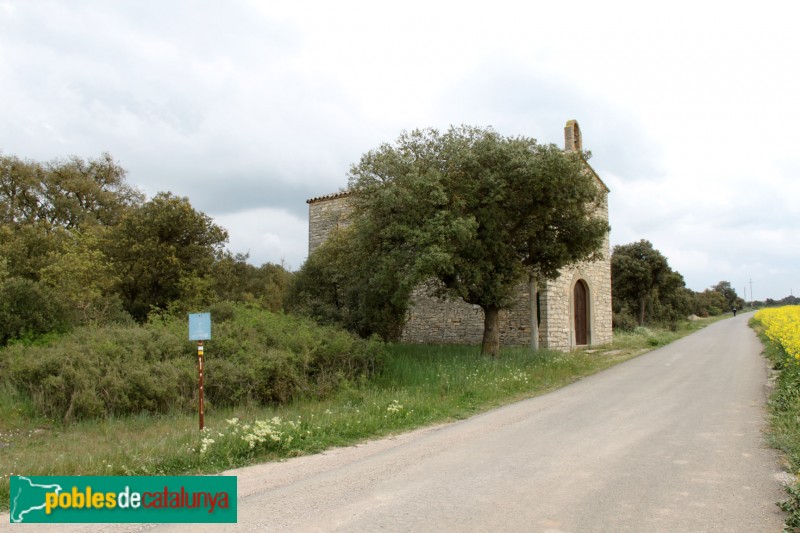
{"points": [[199, 326]]}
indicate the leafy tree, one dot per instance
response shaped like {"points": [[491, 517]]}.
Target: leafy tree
{"points": [[709, 302], [42, 205], [234, 279], [342, 283], [156, 246], [643, 284], [318, 289], [475, 212], [21, 187], [729, 294], [674, 300], [68, 193], [717, 300], [29, 248], [51, 218], [82, 275]]}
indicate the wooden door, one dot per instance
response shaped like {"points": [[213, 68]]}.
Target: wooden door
{"points": [[581, 307]]}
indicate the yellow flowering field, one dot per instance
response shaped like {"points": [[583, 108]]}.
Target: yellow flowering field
{"points": [[783, 327]]}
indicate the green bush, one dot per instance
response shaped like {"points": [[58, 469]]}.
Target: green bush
{"points": [[273, 358], [95, 372], [624, 321], [28, 309], [254, 356]]}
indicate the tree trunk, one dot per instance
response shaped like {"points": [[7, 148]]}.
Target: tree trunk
{"points": [[491, 331], [642, 307]]}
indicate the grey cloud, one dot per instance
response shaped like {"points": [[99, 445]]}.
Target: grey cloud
{"points": [[517, 101]]}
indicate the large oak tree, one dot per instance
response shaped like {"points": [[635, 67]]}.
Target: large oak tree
{"points": [[475, 213]]}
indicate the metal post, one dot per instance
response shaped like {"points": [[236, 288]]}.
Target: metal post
{"points": [[200, 373]]}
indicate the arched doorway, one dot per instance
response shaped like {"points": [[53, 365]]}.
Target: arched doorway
{"points": [[581, 313]]}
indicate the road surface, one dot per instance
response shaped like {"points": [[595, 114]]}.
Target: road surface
{"points": [[670, 441]]}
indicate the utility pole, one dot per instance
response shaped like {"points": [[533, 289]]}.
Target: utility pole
{"points": [[751, 290]]}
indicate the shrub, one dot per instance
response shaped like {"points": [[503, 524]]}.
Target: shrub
{"points": [[624, 321], [28, 309], [254, 356]]}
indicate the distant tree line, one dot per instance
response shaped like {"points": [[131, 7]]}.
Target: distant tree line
{"points": [[771, 302], [78, 245], [645, 290]]}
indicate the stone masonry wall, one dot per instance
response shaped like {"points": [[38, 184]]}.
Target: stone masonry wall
{"points": [[326, 213], [435, 321]]}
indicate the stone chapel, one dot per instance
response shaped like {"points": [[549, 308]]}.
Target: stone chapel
{"points": [[571, 311]]}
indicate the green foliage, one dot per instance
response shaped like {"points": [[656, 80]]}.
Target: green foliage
{"points": [[236, 280], [43, 204], [68, 193], [52, 217], [156, 246], [273, 358], [28, 309], [623, 321], [338, 285], [82, 276], [643, 285], [96, 372], [719, 299], [88, 241], [731, 299], [254, 356]]}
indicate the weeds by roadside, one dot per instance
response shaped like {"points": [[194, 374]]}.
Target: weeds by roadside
{"points": [[784, 406]]}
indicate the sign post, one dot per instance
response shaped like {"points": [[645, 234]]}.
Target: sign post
{"points": [[200, 330]]}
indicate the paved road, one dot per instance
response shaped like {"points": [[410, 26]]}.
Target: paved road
{"points": [[670, 441]]}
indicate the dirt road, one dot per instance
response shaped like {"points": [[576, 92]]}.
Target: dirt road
{"points": [[670, 441]]}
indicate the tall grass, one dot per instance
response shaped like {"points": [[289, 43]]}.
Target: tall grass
{"points": [[417, 385]]}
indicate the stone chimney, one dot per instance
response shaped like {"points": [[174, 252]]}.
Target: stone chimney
{"points": [[572, 137]]}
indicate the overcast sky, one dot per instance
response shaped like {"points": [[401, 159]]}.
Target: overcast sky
{"points": [[691, 109]]}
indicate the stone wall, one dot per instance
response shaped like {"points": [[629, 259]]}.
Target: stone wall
{"points": [[432, 320], [325, 213]]}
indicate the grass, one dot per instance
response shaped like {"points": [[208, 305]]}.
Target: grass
{"points": [[784, 430], [419, 385]]}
